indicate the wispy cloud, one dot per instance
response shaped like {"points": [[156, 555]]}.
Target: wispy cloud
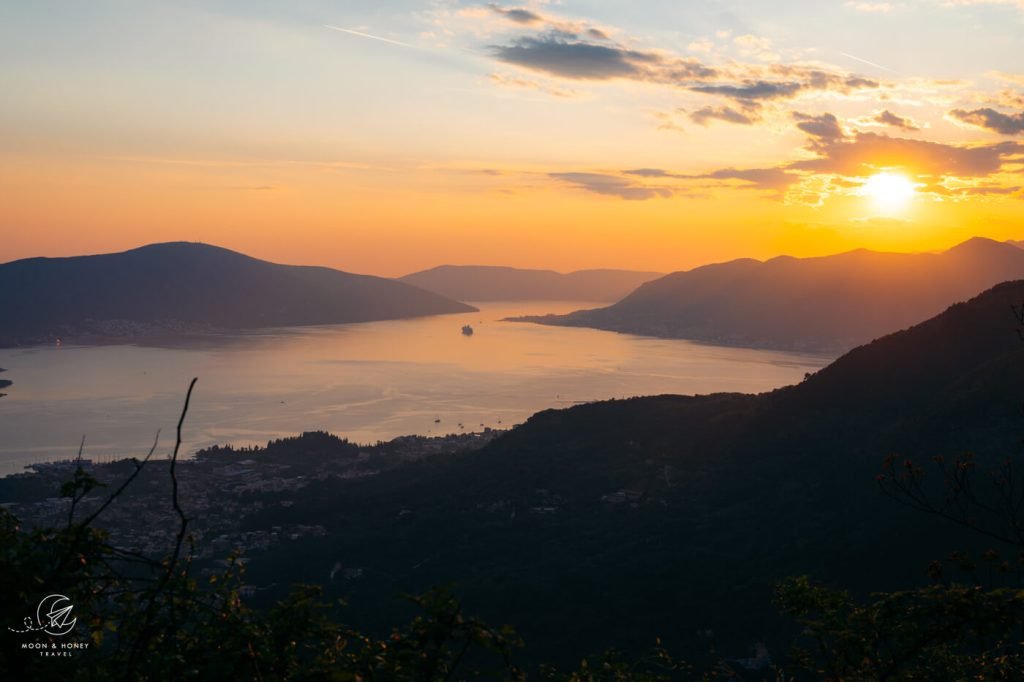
{"points": [[773, 179], [510, 81], [705, 115], [367, 35], [612, 185], [869, 63]]}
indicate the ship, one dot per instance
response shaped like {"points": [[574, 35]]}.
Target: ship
{"points": [[467, 330]]}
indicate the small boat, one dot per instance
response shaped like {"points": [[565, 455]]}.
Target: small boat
{"points": [[467, 330]]}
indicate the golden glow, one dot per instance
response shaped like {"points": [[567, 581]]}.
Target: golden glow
{"points": [[889, 192]]}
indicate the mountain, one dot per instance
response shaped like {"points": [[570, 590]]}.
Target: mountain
{"points": [[490, 283], [611, 523], [181, 287], [828, 304]]}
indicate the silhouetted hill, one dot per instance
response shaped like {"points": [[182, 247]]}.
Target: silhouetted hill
{"points": [[613, 522], [832, 303], [182, 287], [489, 283]]}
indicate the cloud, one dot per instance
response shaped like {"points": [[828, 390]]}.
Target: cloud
{"points": [[823, 127], [510, 81], [367, 35], [982, 190], [666, 120], [866, 153], [751, 93], [562, 54], [652, 173], [1002, 191], [1015, 78], [888, 118], [701, 45], [570, 59], [775, 179], [705, 115], [611, 185], [756, 47], [990, 119], [576, 50], [518, 15]]}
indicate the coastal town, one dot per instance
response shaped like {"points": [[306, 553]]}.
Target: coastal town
{"points": [[220, 489]]}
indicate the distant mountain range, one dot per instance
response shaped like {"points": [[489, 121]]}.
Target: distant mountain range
{"points": [[828, 304], [181, 287], [491, 283], [612, 523]]}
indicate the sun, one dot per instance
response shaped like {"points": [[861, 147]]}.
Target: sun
{"points": [[889, 192]]}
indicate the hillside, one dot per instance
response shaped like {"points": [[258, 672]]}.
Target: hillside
{"points": [[181, 287], [828, 304], [491, 283], [615, 522]]}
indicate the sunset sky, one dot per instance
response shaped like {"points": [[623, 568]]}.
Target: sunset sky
{"points": [[386, 136]]}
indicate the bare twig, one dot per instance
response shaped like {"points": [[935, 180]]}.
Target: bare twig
{"points": [[145, 633], [75, 497], [117, 493]]}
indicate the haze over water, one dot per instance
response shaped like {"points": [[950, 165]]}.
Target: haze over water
{"points": [[367, 382]]}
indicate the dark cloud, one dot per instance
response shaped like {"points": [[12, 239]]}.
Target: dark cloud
{"points": [[509, 81], [867, 152], [611, 185], [651, 173], [990, 119], [823, 127], [776, 179], [577, 51], [890, 119], [570, 59], [728, 114], [561, 53], [751, 93], [517, 14]]}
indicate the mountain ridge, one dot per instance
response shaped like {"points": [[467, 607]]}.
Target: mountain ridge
{"points": [[178, 288], [503, 283], [820, 304]]}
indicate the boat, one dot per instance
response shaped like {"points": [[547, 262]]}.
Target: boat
{"points": [[467, 330]]}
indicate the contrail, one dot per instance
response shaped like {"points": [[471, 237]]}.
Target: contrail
{"points": [[864, 61], [367, 35]]}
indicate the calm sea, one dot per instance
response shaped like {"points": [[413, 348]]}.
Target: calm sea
{"points": [[367, 382]]}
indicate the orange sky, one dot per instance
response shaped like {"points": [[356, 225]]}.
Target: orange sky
{"points": [[559, 136]]}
